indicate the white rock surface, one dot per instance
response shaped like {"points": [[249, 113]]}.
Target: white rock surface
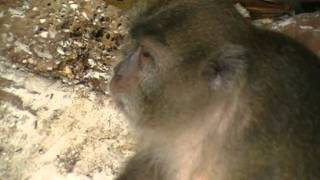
{"points": [[51, 131]]}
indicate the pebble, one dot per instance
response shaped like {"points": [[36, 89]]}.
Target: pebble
{"points": [[306, 27], [43, 54], [44, 34], [74, 6], [84, 14], [91, 62], [60, 51], [22, 47], [42, 21]]}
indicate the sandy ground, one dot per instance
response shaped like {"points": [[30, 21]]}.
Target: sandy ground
{"points": [[52, 131], [62, 124], [74, 41]]}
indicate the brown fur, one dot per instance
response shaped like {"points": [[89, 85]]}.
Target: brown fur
{"points": [[213, 98]]}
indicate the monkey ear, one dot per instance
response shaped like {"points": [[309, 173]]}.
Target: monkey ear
{"points": [[225, 68]]}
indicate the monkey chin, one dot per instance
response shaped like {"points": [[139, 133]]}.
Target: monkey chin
{"points": [[129, 106]]}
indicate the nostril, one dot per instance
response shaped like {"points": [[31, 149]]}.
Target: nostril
{"points": [[114, 84]]}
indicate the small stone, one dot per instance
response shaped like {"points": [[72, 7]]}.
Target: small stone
{"points": [[16, 13], [30, 61], [52, 33], [306, 27], [84, 14], [7, 26], [43, 54], [243, 11], [42, 21], [22, 47], [44, 34], [74, 6], [66, 30], [91, 62], [67, 70], [60, 51], [10, 37], [79, 44]]}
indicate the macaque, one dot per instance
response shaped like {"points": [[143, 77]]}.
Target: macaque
{"points": [[213, 98]]}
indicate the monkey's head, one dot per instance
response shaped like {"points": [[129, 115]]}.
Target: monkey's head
{"points": [[172, 69]]}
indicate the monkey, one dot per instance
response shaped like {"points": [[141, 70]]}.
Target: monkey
{"points": [[210, 97]]}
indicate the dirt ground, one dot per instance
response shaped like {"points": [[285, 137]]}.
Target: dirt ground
{"points": [[49, 130], [57, 120], [70, 40]]}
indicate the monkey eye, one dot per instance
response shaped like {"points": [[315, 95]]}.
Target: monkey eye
{"points": [[146, 54], [146, 58]]}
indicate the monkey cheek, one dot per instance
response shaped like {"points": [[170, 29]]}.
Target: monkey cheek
{"points": [[123, 84], [127, 99], [116, 85]]}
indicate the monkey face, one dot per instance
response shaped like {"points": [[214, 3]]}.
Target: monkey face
{"points": [[213, 98], [146, 83], [137, 79], [153, 82], [169, 73]]}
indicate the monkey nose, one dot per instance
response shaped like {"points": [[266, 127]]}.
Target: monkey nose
{"points": [[117, 77], [121, 84], [114, 84]]}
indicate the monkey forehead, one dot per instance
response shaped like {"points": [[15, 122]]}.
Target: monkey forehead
{"points": [[189, 23], [164, 56], [159, 22]]}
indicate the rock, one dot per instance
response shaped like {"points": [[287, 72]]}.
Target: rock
{"points": [[304, 27]]}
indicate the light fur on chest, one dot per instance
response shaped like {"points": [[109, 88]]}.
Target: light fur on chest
{"points": [[196, 153]]}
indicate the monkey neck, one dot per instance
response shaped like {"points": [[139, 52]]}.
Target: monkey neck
{"points": [[184, 150]]}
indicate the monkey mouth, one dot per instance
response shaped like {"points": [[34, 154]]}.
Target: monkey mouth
{"points": [[120, 104]]}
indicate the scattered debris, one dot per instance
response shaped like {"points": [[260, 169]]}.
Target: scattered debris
{"points": [[64, 39]]}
